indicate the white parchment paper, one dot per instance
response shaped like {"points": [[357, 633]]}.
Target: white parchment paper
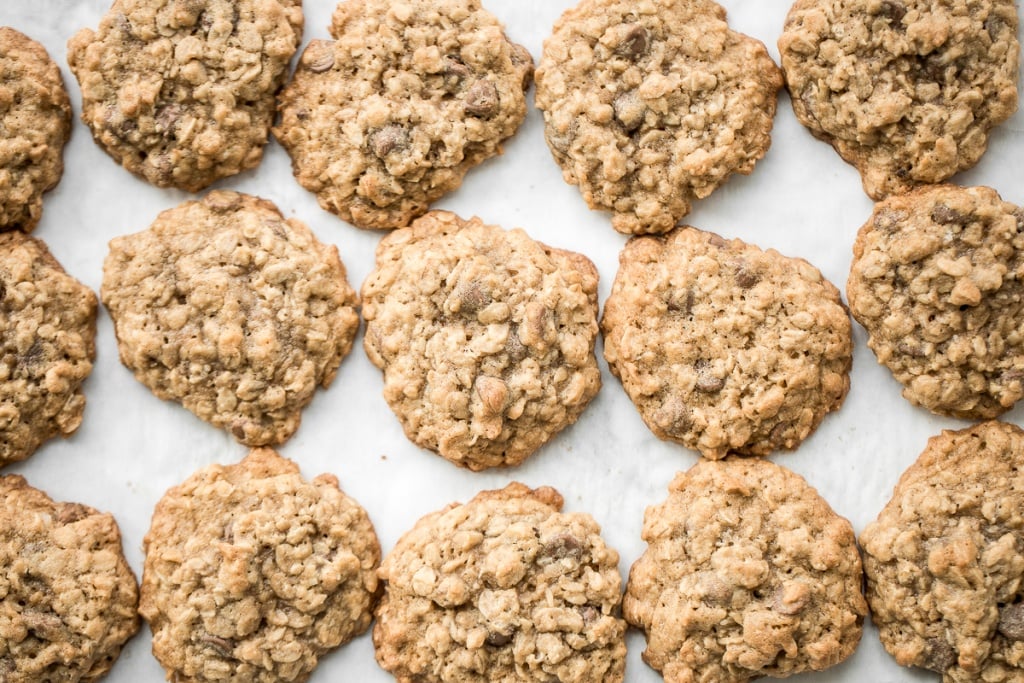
{"points": [[801, 199]]}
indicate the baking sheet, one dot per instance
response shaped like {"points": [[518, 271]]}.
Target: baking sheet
{"points": [[801, 199]]}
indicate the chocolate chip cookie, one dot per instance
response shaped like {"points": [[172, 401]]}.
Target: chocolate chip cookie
{"points": [[231, 310], [724, 347], [945, 558], [409, 96], [253, 573], [47, 345], [486, 337], [67, 595], [35, 122], [505, 588], [748, 573], [905, 90], [938, 281], [181, 93], [649, 106]]}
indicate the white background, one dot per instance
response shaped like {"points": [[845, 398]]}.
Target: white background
{"points": [[801, 199]]}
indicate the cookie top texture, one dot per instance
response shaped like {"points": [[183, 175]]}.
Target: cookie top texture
{"points": [[47, 346], [391, 114], [253, 573], [486, 337], [35, 123], [505, 588], [649, 105], [231, 310], [723, 347], [905, 90], [945, 558], [67, 595], [182, 93], [748, 573], [938, 281]]}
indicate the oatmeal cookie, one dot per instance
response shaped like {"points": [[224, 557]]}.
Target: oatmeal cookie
{"points": [[35, 122], [409, 96], [67, 595], [905, 90], [47, 345], [503, 589], [945, 558], [724, 347], [253, 573], [650, 105], [486, 337], [181, 92], [231, 310], [938, 282], [748, 573]]}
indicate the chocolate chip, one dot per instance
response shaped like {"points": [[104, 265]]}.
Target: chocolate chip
{"points": [[472, 297], [325, 62], [994, 25], [1011, 621], [943, 215], [629, 110], [893, 11], [3, 291], [520, 57], [635, 43], [590, 614], [674, 416], [498, 639], [388, 139], [706, 381], [778, 433], [563, 546], [910, 349], [455, 72], [561, 142], [717, 241], [224, 646], [887, 219], [481, 99], [679, 301], [745, 277], [69, 513], [514, 346], [166, 119], [939, 655]]}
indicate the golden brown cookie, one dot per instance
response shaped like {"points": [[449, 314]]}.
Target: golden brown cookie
{"points": [[253, 573], [724, 347], [945, 558], [67, 595], [182, 93], [503, 589], [486, 337], [905, 90], [748, 573], [47, 345], [233, 311], [651, 105], [937, 280], [35, 123], [409, 96]]}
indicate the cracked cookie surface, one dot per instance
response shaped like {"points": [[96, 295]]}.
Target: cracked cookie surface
{"points": [[47, 346], [253, 573], [905, 90], [945, 558], [229, 309], [486, 337], [651, 105], [724, 347], [748, 573], [938, 281], [505, 588], [181, 92], [67, 595], [392, 114], [35, 123]]}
